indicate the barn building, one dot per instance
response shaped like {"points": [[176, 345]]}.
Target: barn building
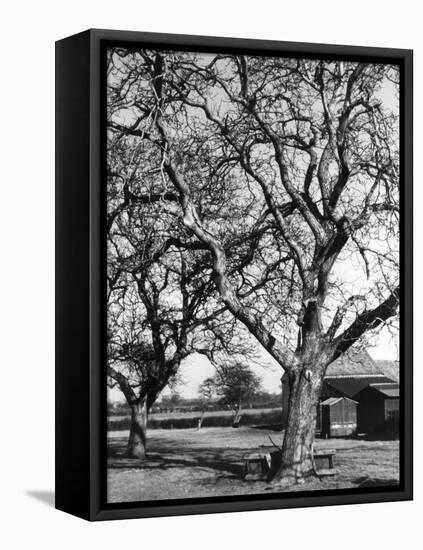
{"points": [[346, 377], [379, 406]]}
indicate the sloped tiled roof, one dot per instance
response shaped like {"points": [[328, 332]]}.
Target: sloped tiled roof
{"points": [[353, 363], [388, 390], [358, 370], [351, 385], [389, 368]]}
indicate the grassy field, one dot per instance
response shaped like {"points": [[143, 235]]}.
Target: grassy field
{"points": [[209, 462]]}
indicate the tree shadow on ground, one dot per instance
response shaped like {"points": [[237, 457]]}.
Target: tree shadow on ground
{"points": [[366, 481], [269, 427], [228, 462]]}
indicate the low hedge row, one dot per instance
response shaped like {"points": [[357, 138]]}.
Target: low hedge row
{"points": [[250, 419]]}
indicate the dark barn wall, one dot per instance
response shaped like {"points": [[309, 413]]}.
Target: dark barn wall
{"points": [[325, 421], [319, 418], [378, 409], [391, 408], [371, 411]]}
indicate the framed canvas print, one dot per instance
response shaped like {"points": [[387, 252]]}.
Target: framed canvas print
{"points": [[234, 274]]}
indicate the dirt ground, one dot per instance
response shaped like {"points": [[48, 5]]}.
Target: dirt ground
{"points": [[209, 462]]}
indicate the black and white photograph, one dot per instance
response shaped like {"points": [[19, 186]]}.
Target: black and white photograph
{"points": [[210, 325], [253, 266]]}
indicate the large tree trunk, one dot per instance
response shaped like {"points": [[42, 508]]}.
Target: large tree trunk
{"points": [[297, 462], [136, 447]]}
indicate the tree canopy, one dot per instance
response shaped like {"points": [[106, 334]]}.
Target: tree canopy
{"points": [[276, 182], [281, 169]]}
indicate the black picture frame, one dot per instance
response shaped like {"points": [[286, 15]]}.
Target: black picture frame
{"points": [[80, 255]]}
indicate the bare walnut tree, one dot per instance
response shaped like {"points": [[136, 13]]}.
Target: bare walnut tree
{"points": [[161, 309], [283, 176]]}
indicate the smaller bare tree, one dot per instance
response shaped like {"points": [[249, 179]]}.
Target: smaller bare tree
{"points": [[234, 384]]}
